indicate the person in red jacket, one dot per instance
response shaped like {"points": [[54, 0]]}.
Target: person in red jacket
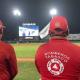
{"points": [[58, 59], [8, 62]]}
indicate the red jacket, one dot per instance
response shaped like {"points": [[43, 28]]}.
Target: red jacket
{"points": [[58, 59], [8, 62]]}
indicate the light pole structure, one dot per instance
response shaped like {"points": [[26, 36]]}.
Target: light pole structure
{"points": [[17, 13]]}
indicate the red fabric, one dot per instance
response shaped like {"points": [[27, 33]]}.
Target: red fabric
{"points": [[58, 60], [8, 62], [58, 22]]}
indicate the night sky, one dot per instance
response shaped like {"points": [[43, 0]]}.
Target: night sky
{"points": [[38, 11]]}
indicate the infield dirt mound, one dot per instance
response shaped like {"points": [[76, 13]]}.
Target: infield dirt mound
{"points": [[25, 59]]}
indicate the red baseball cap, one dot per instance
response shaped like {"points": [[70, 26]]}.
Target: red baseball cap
{"points": [[58, 22]]}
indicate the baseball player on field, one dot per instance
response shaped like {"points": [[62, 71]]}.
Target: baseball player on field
{"points": [[8, 62], [58, 59]]}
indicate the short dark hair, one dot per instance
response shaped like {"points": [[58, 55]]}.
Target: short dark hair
{"points": [[64, 34]]}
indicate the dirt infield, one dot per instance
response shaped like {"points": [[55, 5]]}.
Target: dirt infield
{"points": [[25, 59]]}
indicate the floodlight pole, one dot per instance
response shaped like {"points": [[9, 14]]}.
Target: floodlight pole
{"points": [[17, 14]]}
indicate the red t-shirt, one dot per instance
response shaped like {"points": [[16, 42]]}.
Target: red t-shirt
{"points": [[8, 62], [58, 59]]}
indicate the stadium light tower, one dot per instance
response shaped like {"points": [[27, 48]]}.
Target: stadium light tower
{"points": [[53, 12], [16, 12]]}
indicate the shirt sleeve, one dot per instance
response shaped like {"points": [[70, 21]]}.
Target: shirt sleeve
{"points": [[12, 62], [36, 59]]}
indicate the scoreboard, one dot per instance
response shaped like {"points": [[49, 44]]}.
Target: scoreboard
{"points": [[28, 30]]}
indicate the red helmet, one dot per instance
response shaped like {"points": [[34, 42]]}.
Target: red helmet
{"points": [[58, 25]]}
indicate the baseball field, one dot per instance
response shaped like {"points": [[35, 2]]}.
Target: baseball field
{"points": [[25, 53]]}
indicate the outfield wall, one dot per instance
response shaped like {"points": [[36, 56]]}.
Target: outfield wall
{"points": [[72, 37]]}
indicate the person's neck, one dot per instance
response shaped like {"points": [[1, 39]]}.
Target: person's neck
{"points": [[59, 37]]}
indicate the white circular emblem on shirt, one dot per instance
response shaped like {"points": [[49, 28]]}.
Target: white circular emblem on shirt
{"points": [[55, 66]]}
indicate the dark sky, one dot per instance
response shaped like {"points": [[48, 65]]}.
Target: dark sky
{"points": [[38, 11]]}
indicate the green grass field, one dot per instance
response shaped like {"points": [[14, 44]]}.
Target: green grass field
{"points": [[26, 70], [26, 50]]}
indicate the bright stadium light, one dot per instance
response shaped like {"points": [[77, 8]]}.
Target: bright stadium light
{"points": [[16, 12], [53, 12]]}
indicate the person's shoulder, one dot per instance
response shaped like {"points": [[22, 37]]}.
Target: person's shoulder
{"points": [[76, 50], [5, 44], [75, 46]]}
